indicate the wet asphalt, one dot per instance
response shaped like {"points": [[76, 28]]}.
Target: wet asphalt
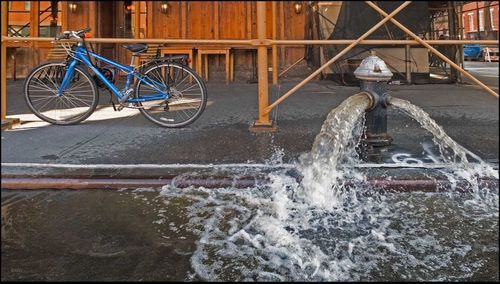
{"points": [[221, 134], [109, 235]]}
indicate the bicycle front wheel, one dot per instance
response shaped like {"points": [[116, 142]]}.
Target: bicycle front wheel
{"points": [[75, 104], [188, 95]]}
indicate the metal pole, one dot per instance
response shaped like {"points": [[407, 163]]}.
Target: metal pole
{"points": [[478, 21], [408, 63], [340, 54], [262, 67], [433, 50], [274, 48]]}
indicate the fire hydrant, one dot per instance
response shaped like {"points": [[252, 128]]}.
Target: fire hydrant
{"points": [[373, 75]]}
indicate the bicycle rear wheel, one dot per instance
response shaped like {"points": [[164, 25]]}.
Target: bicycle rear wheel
{"points": [[188, 95], [77, 102]]}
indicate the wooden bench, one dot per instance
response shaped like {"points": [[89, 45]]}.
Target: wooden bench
{"points": [[202, 59], [173, 50], [57, 53], [150, 53]]}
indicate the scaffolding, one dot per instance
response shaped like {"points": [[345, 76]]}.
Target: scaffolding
{"points": [[263, 121]]}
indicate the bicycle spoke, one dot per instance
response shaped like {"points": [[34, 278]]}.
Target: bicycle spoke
{"points": [[187, 98], [76, 102]]}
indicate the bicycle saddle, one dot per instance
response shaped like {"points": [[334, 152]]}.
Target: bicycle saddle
{"points": [[137, 47]]}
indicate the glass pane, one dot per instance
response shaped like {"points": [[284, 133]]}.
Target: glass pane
{"points": [[18, 19]]}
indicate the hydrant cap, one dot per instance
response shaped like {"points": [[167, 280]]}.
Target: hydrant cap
{"points": [[373, 68]]}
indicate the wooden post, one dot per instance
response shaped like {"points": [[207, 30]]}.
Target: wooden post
{"points": [[4, 62], [34, 18], [6, 123], [274, 48], [34, 29], [263, 121], [433, 50], [64, 16]]}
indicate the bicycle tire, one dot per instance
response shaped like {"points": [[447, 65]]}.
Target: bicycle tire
{"points": [[188, 103], [79, 103]]}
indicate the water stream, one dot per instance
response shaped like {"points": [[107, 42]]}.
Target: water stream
{"points": [[330, 227], [324, 225]]}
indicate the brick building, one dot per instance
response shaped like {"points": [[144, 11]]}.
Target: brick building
{"points": [[480, 20]]}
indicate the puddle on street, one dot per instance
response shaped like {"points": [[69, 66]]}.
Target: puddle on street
{"points": [[324, 224], [265, 233]]}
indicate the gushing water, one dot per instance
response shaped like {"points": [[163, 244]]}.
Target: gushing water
{"points": [[450, 150], [322, 178], [331, 227]]}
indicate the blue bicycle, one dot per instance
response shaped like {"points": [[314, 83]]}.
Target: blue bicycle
{"points": [[165, 91]]}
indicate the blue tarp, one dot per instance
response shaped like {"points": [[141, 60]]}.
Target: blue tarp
{"points": [[472, 50]]}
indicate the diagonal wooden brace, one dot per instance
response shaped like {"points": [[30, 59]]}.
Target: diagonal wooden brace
{"points": [[432, 49], [340, 54]]}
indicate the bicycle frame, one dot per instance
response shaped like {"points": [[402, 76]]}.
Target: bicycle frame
{"points": [[80, 55]]}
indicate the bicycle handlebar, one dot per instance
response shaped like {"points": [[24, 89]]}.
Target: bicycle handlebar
{"points": [[69, 34]]}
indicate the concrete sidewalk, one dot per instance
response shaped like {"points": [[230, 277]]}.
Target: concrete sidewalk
{"points": [[221, 135]]}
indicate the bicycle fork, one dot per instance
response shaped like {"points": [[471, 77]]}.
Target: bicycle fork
{"points": [[70, 70]]}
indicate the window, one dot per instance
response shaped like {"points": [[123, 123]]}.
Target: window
{"points": [[492, 12], [481, 20], [27, 5], [18, 23], [50, 19], [471, 22]]}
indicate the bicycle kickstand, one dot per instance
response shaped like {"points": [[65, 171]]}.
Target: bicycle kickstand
{"points": [[111, 101]]}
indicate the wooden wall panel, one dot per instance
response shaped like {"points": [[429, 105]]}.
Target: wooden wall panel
{"points": [[294, 28], [200, 19], [85, 16], [167, 25], [233, 20]]}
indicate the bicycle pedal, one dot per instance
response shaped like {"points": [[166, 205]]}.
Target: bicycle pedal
{"points": [[122, 106]]}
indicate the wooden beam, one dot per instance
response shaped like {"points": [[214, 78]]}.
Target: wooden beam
{"points": [[34, 18], [263, 119], [257, 42], [433, 50], [4, 62], [340, 54]]}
